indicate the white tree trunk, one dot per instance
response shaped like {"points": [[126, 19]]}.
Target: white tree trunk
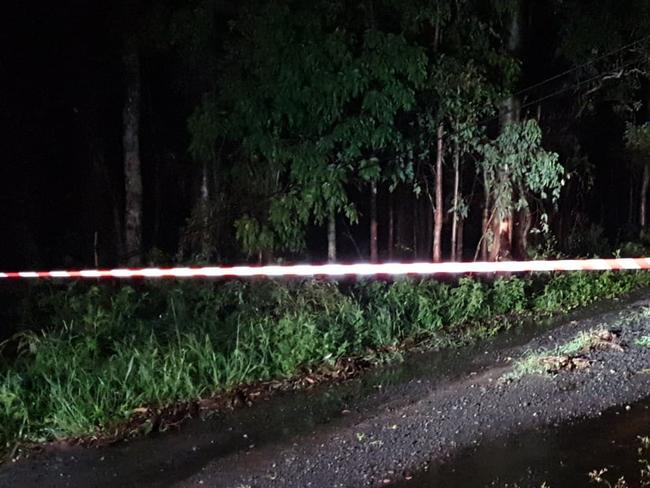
{"points": [[131, 148], [438, 211], [331, 238], [454, 222]]}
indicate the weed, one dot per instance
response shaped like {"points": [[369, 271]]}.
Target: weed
{"points": [[540, 362]]}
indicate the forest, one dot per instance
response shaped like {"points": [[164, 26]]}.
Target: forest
{"points": [[164, 132], [285, 131]]}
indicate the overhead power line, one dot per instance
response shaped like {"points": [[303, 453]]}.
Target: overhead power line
{"points": [[541, 99], [581, 66]]}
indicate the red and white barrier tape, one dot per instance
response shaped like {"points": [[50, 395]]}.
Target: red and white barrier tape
{"points": [[361, 269]]}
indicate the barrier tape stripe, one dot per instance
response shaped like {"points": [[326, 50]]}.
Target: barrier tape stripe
{"points": [[360, 269]]}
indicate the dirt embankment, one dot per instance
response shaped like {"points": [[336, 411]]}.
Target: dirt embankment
{"points": [[380, 429]]}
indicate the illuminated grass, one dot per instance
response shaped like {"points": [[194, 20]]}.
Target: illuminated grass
{"points": [[534, 362], [643, 341]]}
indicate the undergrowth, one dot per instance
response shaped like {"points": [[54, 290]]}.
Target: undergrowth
{"points": [[92, 355]]}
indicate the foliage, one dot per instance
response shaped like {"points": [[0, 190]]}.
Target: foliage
{"points": [[517, 153], [637, 138], [643, 341], [637, 141], [575, 289], [313, 99], [315, 103]]}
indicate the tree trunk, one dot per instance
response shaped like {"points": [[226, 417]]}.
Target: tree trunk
{"points": [[391, 227], [205, 213], [503, 219], [374, 253], [630, 202], [438, 211], [459, 239], [331, 238], [485, 223], [454, 221], [522, 229], [502, 238], [131, 148], [644, 197]]}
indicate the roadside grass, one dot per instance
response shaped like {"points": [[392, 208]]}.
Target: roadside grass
{"points": [[643, 341], [538, 362], [89, 358]]}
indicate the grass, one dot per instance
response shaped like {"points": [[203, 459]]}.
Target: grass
{"points": [[89, 358], [643, 341], [535, 362]]}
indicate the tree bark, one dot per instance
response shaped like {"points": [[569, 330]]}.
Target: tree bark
{"points": [[131, 148], [459, 239], [374, 252], [522, 229], [331, 238], [485, 223], [205, 212], [630, 202], [643, 199], [438, 211], [502, 238], [454, 221]]}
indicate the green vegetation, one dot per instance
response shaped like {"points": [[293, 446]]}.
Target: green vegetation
{"points": [[643, 341], [110, 351], [538, 362]]}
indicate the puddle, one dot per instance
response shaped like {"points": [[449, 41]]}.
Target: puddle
{"points": [[560, 456]]}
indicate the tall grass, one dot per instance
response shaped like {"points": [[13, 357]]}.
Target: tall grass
{"points": [[106, 351]]}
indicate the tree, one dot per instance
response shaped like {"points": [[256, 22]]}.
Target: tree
{"points": [[314, 102], [531, 170], [131, 148], [503, 221], [637, 142], [469, 71]]}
